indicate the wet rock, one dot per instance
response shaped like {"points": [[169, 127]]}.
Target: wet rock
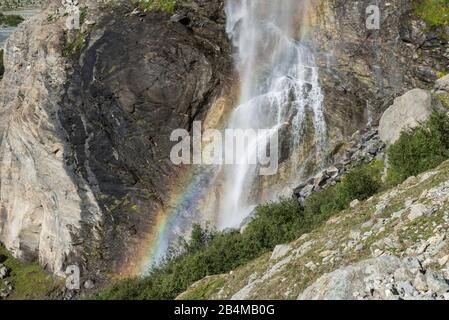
{"points": [[182, 19], [89, 284]]}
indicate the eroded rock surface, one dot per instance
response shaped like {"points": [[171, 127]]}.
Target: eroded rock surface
{"points": [[85, 117]]}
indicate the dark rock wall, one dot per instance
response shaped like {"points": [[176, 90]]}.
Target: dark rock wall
{"points": [[363, 70], [137, 79]]}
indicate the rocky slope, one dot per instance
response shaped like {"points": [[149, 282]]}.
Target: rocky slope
{"points": [[395, 245], [363, 70]]}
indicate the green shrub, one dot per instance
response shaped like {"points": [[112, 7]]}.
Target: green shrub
{"points": [[419, 149], [362, 182], [434, 12], [210, 252], [161, 5], [10, 20]]}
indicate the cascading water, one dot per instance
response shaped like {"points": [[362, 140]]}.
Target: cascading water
{"points": [[279, 92], [279, 80]]}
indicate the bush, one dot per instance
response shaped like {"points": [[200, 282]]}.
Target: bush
{"points": [[161, 5], [434, 12], [419, 149], [210, 252], [362, 182], [10, 20]]}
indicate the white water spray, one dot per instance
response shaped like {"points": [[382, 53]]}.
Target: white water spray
{"points": [[279, 83], [280, 92]]}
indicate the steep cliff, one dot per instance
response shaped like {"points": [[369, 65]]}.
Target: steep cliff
{"points": [[85, 120]]}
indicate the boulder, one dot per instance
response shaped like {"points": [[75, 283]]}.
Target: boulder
{"points": [[420, 282], [343, 283], [407, 111], [442, 84], [417, 210], [436, 283], [280, 251], [4, 272], [354, 203]]}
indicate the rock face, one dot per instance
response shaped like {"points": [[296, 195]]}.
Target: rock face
{"points": [[363, 70], [363, 147], [407, 112], [383, 278], [84, 127], [40, 208]]}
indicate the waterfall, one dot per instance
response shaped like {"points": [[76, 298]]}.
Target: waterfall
{"points": [[279, 81], [279, 93]]}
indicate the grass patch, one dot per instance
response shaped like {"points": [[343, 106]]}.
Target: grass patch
{"points": [[29, 280], [434, 12], [10, 20], [419, 149], [157, 5]]}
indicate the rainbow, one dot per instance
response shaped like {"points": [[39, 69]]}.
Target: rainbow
{"points": [[176, 218]]}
